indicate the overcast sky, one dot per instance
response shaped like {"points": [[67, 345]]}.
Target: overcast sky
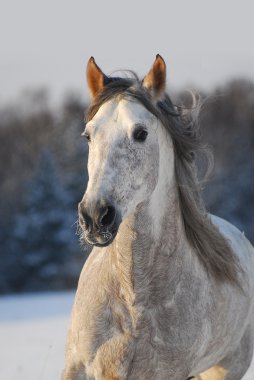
{"points": [[48, 42]]}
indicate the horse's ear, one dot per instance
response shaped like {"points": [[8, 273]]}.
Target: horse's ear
{"points": [[96, 79], [155, 80]]}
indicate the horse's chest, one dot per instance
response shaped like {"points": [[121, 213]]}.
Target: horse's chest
{"points": [[137, 341], [142, 348]]}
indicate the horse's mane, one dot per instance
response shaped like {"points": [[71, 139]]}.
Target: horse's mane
{"points": [[212, 249]]}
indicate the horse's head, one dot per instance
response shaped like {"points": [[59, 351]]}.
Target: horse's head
{"points": [[124, 156]]}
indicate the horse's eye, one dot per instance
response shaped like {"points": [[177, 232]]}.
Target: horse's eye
{"points": [[140, 134], [86, 135]]}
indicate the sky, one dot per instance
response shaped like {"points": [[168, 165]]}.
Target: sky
{"points": [[48, 43]]}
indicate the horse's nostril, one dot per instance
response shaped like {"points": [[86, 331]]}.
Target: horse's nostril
{"points": [[84, 220], [107, 216], [93, 218]]}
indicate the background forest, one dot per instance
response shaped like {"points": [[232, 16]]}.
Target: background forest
{"points": [[43, 176]]}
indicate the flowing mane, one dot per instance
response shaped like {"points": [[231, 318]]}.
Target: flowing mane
{"points": [[212, 249]]}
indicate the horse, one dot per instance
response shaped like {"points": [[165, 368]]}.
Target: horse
{"points": [[168, 289]]}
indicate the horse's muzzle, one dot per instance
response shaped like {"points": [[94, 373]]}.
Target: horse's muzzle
{"points": [[99, 223]]}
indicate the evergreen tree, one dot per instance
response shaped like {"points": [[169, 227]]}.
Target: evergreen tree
{"points": [[44, 231]]}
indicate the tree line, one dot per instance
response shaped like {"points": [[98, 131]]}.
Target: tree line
{"points": [[43, 176]]}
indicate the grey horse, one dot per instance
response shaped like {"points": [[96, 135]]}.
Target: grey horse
{"points": [[168, 290]]}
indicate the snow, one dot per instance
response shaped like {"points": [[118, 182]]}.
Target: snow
{"points": [[33, 331]]}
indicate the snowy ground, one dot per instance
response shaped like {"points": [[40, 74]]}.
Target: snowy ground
{"points": [[32, 336]]}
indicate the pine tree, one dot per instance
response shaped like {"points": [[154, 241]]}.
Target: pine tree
{"points": [[44, 232]]}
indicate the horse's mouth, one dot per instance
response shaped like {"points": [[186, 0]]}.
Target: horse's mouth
{"points": [[100, 238]]}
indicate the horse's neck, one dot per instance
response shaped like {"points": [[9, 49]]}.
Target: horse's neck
{"points": [[149, 247]]}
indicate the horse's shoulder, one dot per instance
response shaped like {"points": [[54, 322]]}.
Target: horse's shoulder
{"points": [[92, 265], [95, 257], [92, 279]]}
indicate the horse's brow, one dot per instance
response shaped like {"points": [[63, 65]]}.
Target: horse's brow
{"points": [[139, 124]]}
